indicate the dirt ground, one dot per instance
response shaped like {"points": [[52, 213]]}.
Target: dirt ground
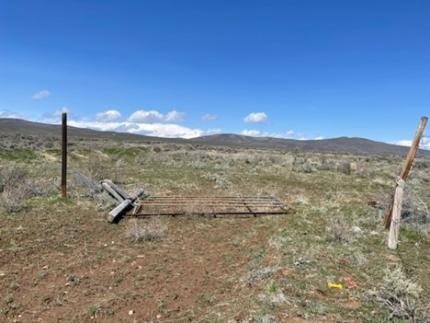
{"points": [[74, 266]]}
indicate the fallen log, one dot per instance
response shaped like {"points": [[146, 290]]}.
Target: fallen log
{"points": [[126, 201], [118, 189], [112, 192], [119, 210]]}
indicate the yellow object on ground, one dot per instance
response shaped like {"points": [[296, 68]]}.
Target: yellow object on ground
{"points": [[335, 286]]}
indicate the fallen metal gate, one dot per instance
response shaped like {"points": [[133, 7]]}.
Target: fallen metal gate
{"points": [[210, 206], [238, 206]]}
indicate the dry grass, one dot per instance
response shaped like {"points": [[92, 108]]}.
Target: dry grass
{"points": [[15, 188], [257, 269], [258, 275], [153, 229], [338, 229], [400, 296]]}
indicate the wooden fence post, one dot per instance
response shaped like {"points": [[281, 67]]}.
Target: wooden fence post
{"points": [[408, 164], [64, 157], [393, 236]]}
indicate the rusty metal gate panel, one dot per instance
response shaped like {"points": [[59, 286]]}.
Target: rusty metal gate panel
{"points": [[210, 206]]}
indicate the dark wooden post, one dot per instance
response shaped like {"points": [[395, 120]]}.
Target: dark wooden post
{"points": [[64, 157], [408, 165]]}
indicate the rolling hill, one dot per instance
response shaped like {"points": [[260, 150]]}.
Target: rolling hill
{"points": [[14, 127], [337, 145]]}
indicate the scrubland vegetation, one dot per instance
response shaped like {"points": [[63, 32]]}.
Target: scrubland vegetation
{"points": [[61, 260]]}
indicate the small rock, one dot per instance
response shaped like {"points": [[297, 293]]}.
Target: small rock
{"points": [[130, 312], [356, 229]]}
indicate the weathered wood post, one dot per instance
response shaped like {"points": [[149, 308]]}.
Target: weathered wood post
{"points": [[393, 236], [393, 215], [408, 164], [64, 157]]}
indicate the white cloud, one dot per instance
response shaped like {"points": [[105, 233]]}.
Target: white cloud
{"points": [[174, 116], [96, 125], [141, 122], [107, 116], [251, 133], [41, 95], [146, 116], [425, 143], [149, 123], [153, 116], [60, 111], [290, 134], [407, 143], [54, 117], [9, 115], [256, 117], [209, 117], [166, 130]]}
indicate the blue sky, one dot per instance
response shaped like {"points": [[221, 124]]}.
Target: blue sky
{"points": [[302, 69]]}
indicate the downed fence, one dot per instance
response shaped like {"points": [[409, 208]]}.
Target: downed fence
{"points": [[140, 205]]}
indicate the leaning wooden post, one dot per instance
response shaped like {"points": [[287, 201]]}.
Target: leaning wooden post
{"points": [[64, 157], [408, 164], [393, 236]]}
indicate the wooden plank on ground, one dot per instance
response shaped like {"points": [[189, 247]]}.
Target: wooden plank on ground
{"points": [[118, 189], [112, 192], [119, 210]]}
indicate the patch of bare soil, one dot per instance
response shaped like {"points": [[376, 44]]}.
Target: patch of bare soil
{"points": [[74, 266]]}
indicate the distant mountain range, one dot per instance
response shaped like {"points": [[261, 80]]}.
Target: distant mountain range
{"points": [[345, 145]]}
